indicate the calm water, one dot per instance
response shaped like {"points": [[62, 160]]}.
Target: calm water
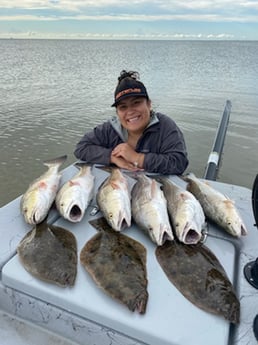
{"points": [[52, 91]]}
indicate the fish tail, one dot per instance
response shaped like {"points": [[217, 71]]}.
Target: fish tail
{"points": [[188, 177], [83, 167], [140, 302], [106, 168], [55, 161]]}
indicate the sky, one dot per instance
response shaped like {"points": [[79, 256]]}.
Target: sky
{"points": [[130, 19]]}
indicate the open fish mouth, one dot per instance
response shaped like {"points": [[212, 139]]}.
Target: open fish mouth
{"points": [[119, 221], [33, 218], [243, 230], [120, 224], [165, 235], [190, 235], [75, 213]]}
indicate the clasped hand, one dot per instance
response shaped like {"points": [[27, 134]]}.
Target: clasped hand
{"points": [[125, 157]]}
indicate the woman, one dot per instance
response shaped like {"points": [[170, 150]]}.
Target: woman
{"points": [[138, 138]]}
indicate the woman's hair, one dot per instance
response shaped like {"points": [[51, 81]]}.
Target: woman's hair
{"points": [[128, 74], [128, 85]]}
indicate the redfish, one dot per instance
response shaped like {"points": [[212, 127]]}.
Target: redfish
{"points": [[39, 197], [216, 206], [75, 195], [113, 198], [149, 209]]}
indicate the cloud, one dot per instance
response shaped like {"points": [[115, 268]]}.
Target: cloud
{"points": [[136, 17], [219, 10], [169, 19]]}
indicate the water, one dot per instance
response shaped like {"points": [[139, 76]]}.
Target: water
{"points": [[52, 91]]}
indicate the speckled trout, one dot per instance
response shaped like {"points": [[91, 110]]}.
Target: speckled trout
{"points": [[39, 197], [185, 212], [149, 209], [216, 206], [114, 200], [75, 195]]}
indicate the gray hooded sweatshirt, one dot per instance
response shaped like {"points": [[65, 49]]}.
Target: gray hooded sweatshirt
{"points": [[162, 143]]}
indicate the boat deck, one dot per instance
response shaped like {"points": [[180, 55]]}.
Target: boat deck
{"points": [[85, 315]]}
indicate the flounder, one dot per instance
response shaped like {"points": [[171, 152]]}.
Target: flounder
{"points": [[49, 253], [117, 264], [198, 275]]}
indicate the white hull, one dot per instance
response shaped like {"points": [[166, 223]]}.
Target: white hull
{"points": [[85, 315]]}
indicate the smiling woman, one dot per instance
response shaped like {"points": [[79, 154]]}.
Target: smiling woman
{"points": [[138, 138]]}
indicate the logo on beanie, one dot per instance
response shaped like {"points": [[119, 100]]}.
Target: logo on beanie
{"points": [[124, 92]]}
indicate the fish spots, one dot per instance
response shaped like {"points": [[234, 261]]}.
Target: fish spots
{"points": [[49, 253], [117, 263], [196, 272], [42, 185]]}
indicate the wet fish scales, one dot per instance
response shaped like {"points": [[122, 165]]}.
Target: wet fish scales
{"points": [[75, 195], [198, 275], [113, 199], [149, 209], [40, 195], [185, 212], [49, 253], [216, 206], [117, 264]]}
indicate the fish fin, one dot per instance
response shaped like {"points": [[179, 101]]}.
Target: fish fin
{"points": [[154, 186], [100, 224], [73, 183], [55, 161], [134, 174], [114, 185], [81, 165], [228, 203], [107, 168]]}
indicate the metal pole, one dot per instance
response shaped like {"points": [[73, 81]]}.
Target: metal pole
{"points": [[213, 162]]}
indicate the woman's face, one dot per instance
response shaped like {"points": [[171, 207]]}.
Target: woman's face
{"points": [[134, 113]]}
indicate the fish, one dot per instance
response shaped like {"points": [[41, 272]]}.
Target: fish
{"points": [[114, 200], [185, 211], [117, 264], [149, 209], [199, 276], [75, 195], [216, 206], [49, 253], [40, 195]]}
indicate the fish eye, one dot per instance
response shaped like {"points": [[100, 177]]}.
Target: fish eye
{"points": [[110, 215]]}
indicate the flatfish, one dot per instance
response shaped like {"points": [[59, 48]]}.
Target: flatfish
{"points": [[198, 275], [49, 253], [117, 264]]}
